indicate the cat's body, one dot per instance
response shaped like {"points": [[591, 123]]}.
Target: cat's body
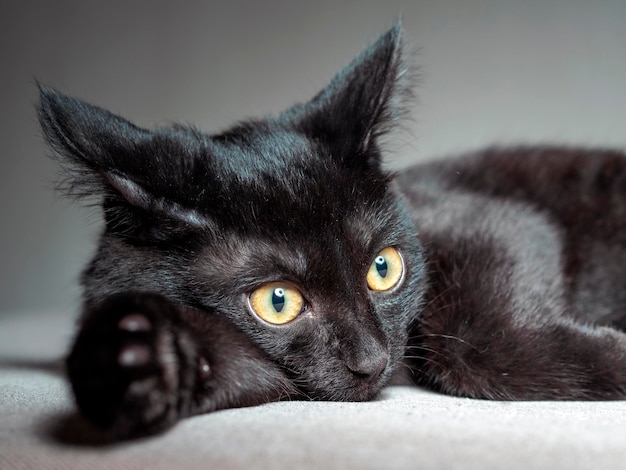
{"points": [[279, 260], [526, 251]]}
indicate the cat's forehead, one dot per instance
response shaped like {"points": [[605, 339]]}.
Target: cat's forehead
{"points": [[304, 247], [301, 200], [266, 175], [316, 217], [251, 152]]}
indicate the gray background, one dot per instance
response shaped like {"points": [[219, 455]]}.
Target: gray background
{"points": [[491, 71]]}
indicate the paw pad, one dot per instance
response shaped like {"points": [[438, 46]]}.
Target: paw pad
{"points": [[134, 355], [134, 322]]}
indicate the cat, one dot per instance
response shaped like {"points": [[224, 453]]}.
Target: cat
{"points": [[280, 260]]}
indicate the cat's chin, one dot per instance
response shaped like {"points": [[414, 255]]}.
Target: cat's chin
{"points": [[366, 394], [362, 392], [353, 389]]}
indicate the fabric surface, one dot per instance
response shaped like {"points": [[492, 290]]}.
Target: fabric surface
{"points": [[405, 428]]}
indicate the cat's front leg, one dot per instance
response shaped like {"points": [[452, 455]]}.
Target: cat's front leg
{"points": [[561, 360], [140, 363]]}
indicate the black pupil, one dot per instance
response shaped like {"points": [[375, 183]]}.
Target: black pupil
{"points": [[278, 299], [381, 266]]}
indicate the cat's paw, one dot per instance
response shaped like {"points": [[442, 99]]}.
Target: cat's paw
{"points": [[134, 365]]}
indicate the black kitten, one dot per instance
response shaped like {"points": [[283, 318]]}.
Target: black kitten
{"points": [[278, 259]]}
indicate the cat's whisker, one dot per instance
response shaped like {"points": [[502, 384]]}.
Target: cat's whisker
{"points": [[432, 310], [412, 370], [440, 308], [442, 293], [300, 383], [444, 336], [426, 359], [429, 306], [285, 395], [430, 350]]}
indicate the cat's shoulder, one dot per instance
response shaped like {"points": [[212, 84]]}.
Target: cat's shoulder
{"points": [[502, 169]]}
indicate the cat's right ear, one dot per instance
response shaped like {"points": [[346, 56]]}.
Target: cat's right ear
{"points": [[147, 181], [88, 143], [364, 101]]}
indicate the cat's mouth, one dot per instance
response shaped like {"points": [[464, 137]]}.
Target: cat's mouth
{"points": [[368, 381], [365, 389], [349, 386]]}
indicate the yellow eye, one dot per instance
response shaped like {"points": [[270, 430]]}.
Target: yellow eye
{"points": [[277, 302], [386, 270]]}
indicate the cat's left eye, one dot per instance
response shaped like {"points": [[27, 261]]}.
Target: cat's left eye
{"points": [[386, 270], [277, 302]]}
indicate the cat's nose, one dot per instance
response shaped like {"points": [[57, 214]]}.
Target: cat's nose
{"points": [[369, 368]]}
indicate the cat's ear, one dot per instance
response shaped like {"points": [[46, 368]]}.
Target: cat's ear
{"points": [[362, 102], [108, 159], [89, 143]]}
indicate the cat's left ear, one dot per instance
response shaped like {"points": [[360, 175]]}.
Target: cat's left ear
{"points": [[362, 102]]}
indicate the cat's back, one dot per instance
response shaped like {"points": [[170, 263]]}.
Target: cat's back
{"points": [[558, 211], [579, 187]]}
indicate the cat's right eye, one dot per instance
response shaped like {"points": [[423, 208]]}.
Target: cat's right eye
{"points": [[277, 302]]}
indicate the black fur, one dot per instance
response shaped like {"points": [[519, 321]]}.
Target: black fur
{"points": [[517, 294], [527, 256]]}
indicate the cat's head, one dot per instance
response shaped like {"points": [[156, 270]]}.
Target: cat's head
{"points": [[286, 225]]}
